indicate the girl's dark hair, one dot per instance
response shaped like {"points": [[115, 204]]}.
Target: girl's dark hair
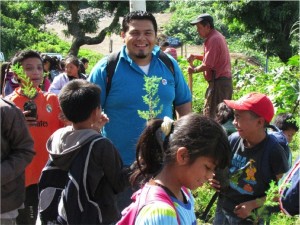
{"points": [[74, 60], [78, 98], [138, 15], [201, 135]]}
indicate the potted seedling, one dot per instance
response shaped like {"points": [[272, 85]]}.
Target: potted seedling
{"points": [[27, 89]]}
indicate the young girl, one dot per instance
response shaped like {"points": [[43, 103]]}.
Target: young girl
{"points": [[72, 71], [178, 154]]}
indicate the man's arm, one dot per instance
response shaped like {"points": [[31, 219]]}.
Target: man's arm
{"points": [[183, 109]]}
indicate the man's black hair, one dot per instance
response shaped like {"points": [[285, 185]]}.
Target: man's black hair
{"points": [[138, 15]]}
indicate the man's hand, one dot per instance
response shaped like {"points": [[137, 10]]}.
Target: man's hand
{"points": [[191, 69], [191, 59]]}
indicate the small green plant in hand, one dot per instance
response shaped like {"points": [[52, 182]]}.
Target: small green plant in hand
{"points": [[27, 85], [271, 200], [151, 98]]}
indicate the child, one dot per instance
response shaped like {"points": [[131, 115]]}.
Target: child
{"points": [[287, 123], [72, 71], [225, 117], [178, 154], [257, 158], [81, 149], [41, 126]]}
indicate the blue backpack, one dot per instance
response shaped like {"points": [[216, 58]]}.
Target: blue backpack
{"points": [[282, 140]]}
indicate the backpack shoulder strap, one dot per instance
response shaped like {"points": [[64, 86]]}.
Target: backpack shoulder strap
{"points": [[167, 61], [234, 139], [112, 61]]}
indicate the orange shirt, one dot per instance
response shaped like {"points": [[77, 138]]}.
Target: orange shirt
{"points": [[48, 121]]}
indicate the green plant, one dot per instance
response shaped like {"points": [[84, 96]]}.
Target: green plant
{"points": [[27, 85], [262, 212], [151, 99]]}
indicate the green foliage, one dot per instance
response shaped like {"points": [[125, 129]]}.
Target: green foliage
{"points": [[151, 98], [50, 43], [271, 195], [202, 197], [26, 83], [25, 11], [199, 85], [281, 83]]}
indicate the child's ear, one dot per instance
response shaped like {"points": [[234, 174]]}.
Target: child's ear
{"points": [[182, 156], [261, 122]]}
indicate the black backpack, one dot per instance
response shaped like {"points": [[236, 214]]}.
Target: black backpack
{"points": [[63, 195]]}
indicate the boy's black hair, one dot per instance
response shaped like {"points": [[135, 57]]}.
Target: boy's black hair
{"points": [[224, 113], [78, 98], [21, 56], [285, 121], [84, 60], [138, 15]]}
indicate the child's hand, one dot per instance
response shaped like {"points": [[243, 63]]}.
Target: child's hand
{"points": [[31, 121], [243, 210], [103, 119], [215, 184], [98, 125]]}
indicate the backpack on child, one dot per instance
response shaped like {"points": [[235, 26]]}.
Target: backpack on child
{"points": [[144, 196], [282, 140], [63, 195]]}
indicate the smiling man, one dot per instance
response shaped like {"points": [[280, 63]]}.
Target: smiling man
{"points": [[139, 57]]}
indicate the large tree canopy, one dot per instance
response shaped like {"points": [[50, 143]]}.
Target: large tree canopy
{"points": [[266, 24], [22, 17]]}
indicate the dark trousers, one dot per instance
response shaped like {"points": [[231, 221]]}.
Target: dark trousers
{"points": [[28, 215], [217, 91]]}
